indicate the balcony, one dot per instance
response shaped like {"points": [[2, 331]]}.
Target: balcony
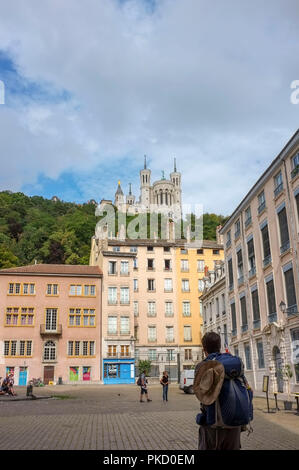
{"points": [[256, 324], [292, 310], [285, 247], [46, 331], [267, 261], [295, 171], [244, 328], [272, 317], [278, 190], [261, 207]]}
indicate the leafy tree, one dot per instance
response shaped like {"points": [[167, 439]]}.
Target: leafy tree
{"points": [[7, 258], [144, 365]]}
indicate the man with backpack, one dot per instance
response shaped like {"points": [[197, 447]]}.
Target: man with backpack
{"points": [[225, 396], [142, 383]]}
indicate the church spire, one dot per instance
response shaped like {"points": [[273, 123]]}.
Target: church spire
{"points": [[130, 189]]}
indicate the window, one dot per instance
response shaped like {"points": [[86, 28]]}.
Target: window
{"points": [[255, 308], [28, 348], [284, 231], [152, 333], [251, 257], [201, 285], [136, 308], [135, 285], [15, 289], [244, 314], [167, 249], [167, 265], [217, 307], [150, 264], [150, 248], [186, 309], [135, 262], [112, 295], [184, 265], [200, 266], [124, 296], [187, 333], [223, 304], [81, 317], [136, 337], [278, 184], [49, 351], [266, 244], [28, 289], [230, 274], [81, 348], [152, 354], [297, 201], [124, 267], [295, 351], [22, 348], [247, 216], [151, 285], [51, 319], [228, 239], [124, 351], [260, 354], [14, 348], [75, 289], [70, 350], [116, 248], [185, 285], [184, 251], [52, 289], [85, 348], [247, 356], [233, 317], [112, 267], [90, 291], [237, 228], [200, 251], [112, 350], [170, 355], [188, 354], [272, 312], [23, 316], [112, 325], [225, 335], [295, 163], [151, 309], [124, 325], [168, 309], [133, 249], [290, 289], [261, 202], [240, 265], [168, 285], [169, 334]]}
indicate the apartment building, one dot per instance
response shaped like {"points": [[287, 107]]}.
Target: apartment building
{"points": [[214, 305], [191, 266], [261, 254], [153, 306], [51, 323]]}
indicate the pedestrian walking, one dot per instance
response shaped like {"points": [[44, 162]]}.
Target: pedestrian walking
{"points": [[225, 396], [164, 381], [143, 387]]}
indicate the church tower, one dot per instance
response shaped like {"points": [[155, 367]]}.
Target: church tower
{"points": [[145, 189], [175, 178], [119, 200]]}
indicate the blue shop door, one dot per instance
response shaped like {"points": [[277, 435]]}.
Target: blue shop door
{"points": [[23, 376], [125, 372]]}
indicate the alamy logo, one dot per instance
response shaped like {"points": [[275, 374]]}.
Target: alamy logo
{"points": [[2, 92], [295, 95]]}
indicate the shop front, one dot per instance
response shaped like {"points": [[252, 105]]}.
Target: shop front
{"points": [[119, 371]]}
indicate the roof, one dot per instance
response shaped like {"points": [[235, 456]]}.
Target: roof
{"points": [[119, 190], [159, 242], [55, 269]]}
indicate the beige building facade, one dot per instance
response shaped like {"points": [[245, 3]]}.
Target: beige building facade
{"points": [[262, 273]]}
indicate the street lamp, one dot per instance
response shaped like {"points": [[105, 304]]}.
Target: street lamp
{"points": [[282, 306], [292, 310]]}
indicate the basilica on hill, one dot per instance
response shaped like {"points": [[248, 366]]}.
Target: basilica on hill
{"points": [[164, 195]]}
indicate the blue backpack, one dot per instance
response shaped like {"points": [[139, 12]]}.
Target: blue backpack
{"points": [[233, 406]]}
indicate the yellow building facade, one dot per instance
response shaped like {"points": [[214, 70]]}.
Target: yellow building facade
{"points": [[192, 264]]}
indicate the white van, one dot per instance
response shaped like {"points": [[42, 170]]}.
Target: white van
{"points": [[186, 381]]}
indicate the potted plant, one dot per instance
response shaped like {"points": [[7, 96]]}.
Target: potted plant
{"points": [[288, 374]]}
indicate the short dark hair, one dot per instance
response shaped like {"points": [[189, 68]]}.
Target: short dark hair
{"points": [[211, 342]]}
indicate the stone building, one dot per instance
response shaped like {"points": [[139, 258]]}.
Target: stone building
{"points": [[261, 253]]}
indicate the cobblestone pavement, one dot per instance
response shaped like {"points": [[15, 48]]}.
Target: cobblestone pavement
{"points": [[111, 417]]}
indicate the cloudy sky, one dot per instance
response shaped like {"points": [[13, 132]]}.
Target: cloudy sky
{"points": [[90, 87]]}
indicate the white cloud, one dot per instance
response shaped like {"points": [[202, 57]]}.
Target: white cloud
{"points": [[207, 82]]}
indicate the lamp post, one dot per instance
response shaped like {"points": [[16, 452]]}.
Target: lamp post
{"points": [[292, 310]]}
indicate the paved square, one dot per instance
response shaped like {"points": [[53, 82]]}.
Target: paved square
{"points": [[100, 417]]}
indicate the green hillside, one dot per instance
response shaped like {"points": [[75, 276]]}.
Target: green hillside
{"points": [[34, 228]]}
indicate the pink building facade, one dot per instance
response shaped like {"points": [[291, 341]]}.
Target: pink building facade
{"points": [[50, 324]]}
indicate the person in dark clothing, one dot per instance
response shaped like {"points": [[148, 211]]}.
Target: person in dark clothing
{"points": [[165, 381], [211, 438], [143, 387]]}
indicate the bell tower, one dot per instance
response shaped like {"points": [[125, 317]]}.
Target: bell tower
{"points": [[175, 178], [145, 184]]}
